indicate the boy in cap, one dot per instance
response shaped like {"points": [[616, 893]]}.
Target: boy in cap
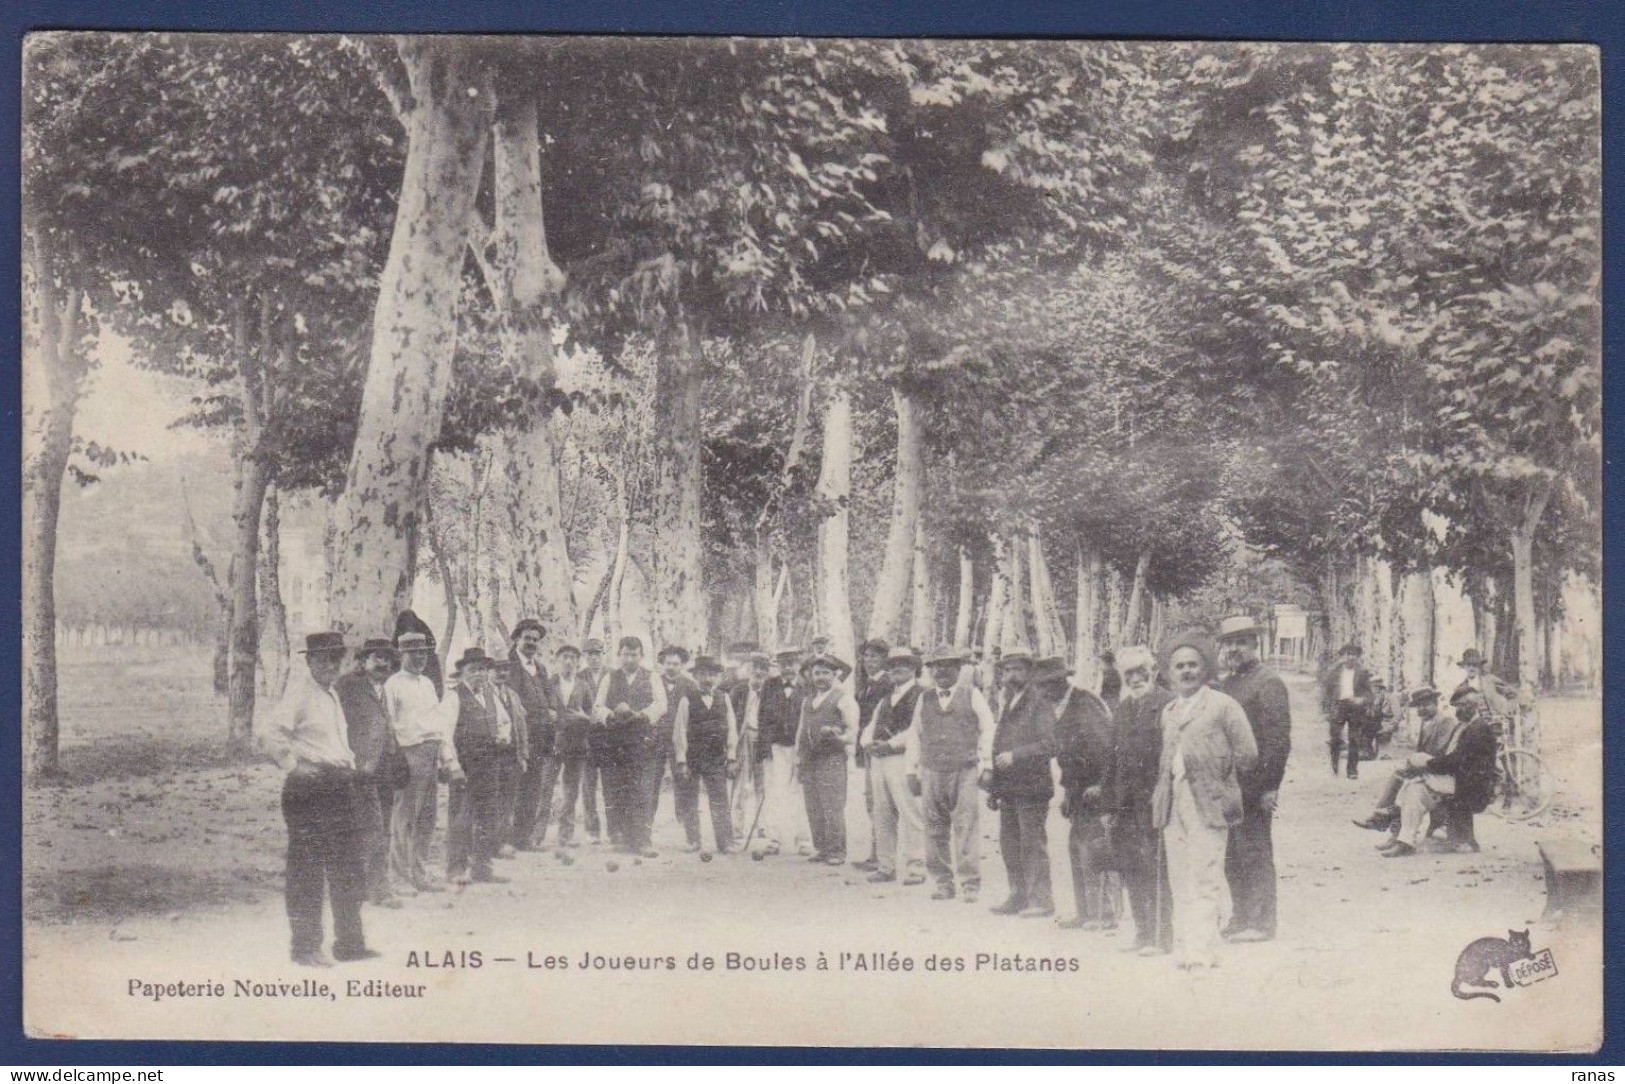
{"points": [[592, 772], [705, 752], [308, 737], [573, 697]]}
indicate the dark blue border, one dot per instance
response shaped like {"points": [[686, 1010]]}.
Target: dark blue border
{"points": [[1600, 22]]}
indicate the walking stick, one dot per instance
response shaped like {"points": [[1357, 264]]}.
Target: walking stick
{"points": [[761, 800]]}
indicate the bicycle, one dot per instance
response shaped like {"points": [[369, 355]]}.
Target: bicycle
{"points": [[1524, 786]]}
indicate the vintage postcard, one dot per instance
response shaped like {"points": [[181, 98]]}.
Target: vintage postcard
{"points": [[779, 541]]}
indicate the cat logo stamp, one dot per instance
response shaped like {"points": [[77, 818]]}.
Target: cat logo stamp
{"points": [[1512, 956]]}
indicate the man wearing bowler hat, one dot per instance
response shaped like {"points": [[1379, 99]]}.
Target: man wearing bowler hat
{"points": [[1249, 860], [593, 670], [309, 738], [377, 760], [1345, 697], [528, 677], [949, 749]]}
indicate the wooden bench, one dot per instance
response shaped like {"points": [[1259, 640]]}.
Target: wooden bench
{"points": [[1573, 877]]}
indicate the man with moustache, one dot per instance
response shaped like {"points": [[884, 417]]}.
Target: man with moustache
{"points": [[676, 685], [308, 738], [949, 751], [1131, 778], [899, 831], [829, 724], [785, 814], [872, 686], [573, 699], [1083, 750], [1021, 785], [529, 679], [705, 752], [628, 700], [755, 700], [1249, 861], [484, 735], [361, 692]]}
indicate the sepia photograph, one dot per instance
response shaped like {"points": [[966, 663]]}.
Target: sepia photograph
{"points": [[812, 542]]}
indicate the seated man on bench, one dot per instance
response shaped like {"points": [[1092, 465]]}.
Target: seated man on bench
{"points": [[1438, 731], [1463, 775]]}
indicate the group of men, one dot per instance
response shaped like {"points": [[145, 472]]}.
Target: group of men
{"points": [[772, 742], [1451, 775]]}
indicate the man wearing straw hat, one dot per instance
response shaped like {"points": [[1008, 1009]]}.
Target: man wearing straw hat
{"points": [[828, 726], [899, 831], [308, 737]]}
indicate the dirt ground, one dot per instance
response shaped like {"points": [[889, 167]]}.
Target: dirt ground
{"points": [[158, 862]]}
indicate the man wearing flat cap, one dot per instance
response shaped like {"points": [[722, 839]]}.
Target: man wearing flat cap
{"points": [[1021, 784], [705, 749], [592, 772], [1345, 697], [828, 726], [950, 749], [1249, 860], [309, 738], [377, 760]]}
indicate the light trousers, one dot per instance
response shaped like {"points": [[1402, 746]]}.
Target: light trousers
{"points": [[785, 815], [899, 827], [1195, 878], [951, 805]]}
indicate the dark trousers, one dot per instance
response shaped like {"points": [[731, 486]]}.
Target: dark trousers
{"points": [[1350, 716], [823, 785], [536, 800], [1249, 866], [592, 773], [1144, 869], [476, 814], [659, 764], [714, 778], [372, 802], [324, 860], [622, 768], [1024, 843], [509, 774], [1094, 887]]}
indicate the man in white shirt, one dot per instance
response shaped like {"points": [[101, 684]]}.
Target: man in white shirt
{"points": [[308, 738], [628, 701], [421, 721], [948, 751]]}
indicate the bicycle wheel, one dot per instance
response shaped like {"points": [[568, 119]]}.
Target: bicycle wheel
{"points": [[1523, 786]]}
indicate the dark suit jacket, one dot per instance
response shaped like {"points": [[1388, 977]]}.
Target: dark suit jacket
{"points": [[1262, 695], [1136, 752], [573, 722], [371, 739], [540, 703], [1025, 730], [1083, 742], [1332, 681], [1471, 760]]}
